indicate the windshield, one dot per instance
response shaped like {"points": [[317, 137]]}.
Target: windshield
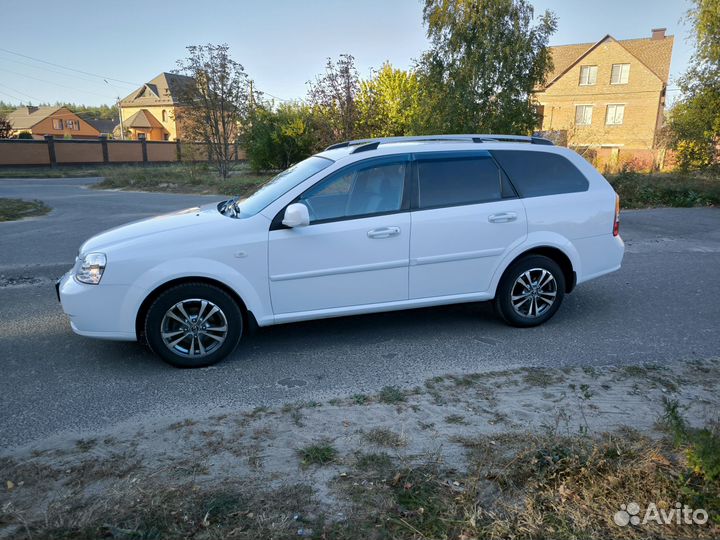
{"points": [[281, 184]]}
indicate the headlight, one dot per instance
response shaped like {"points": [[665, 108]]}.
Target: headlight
{"points": [[91, 268]]}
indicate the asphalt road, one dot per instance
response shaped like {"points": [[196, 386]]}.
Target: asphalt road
{"points": [[662, 306]]}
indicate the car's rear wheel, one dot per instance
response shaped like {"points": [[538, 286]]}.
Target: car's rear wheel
{"points": [[193, 325], [530, 291]]}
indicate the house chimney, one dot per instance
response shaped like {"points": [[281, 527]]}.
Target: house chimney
{"points": [[658, 33], [31, 109]]}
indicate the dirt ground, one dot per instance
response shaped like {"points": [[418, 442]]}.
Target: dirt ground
{"points": [[321, 452]]}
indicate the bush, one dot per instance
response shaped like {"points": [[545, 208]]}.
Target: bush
{"points": [[639, 190], [694, 155], [24, 135], [279, 138]]}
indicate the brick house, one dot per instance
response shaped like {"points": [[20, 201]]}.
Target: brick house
{"points": [[608, 94], [151, 109], [60, 122]]}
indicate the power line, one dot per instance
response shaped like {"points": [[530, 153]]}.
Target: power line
{"points": [[19, 92], [40, 68], [104, 96], [11, 96], [274, 97], [69, 68]]}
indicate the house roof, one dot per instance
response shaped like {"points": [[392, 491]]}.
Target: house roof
{"points": [[27, 117], [162, 90], [142, 119], [655, 54], [102, 125]]}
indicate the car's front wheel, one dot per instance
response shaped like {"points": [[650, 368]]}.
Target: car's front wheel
{"points": [[530, 291], [193, 325]]}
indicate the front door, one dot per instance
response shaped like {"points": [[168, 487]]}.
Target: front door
{"points": [[356, 248], [467, 218]]}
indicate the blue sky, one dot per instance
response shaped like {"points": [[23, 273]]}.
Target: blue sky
{"points": [[281, 43]]}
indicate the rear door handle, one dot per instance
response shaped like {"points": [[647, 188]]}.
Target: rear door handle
{"points": [[383, 232], [503, 217]]}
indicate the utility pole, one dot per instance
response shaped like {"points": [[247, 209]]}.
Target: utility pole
{"points": [[117, 104], [122, 128], [252, 97]]}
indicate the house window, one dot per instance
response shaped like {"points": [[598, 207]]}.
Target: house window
{"points": [[620, 74], [588, 75], [57, 123], [615, 115], [164, 115], [583, 115]]}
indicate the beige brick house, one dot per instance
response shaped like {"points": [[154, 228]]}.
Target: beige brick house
{"points": [[608, 94], [150, 111]]}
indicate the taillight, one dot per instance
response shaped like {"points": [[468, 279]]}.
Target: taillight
{"points": [[616, 224]]}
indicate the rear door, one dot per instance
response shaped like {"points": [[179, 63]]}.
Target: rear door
{"points": [[355, 250], [465, 217]]}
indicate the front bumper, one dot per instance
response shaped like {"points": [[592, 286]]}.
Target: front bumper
{"points": [[96, 310]]}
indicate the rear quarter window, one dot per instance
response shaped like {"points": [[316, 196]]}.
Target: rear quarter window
{"points": [[535, 174], [456, 181]]}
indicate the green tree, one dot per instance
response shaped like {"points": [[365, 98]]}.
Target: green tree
{"points": [[695, 119], [486, 57], [215, 100], [276, 139], [333, 98], [388, 103]]}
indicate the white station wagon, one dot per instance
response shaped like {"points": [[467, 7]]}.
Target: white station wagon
{"points": [[365, 226]]}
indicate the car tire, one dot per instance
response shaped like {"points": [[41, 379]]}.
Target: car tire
{"points": [[193, 325], [530, 291]]}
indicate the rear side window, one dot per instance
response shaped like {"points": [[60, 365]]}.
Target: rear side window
{"points": [[535, 174], [456, 181]]}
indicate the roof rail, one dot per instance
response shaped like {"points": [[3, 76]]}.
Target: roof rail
{"points": [[476, 138]]}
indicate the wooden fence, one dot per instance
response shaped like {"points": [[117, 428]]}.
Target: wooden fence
{"points": [[52, 152]]}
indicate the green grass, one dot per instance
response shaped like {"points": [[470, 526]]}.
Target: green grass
{"points": [[391, 395], [321, 453], [676, 189], [14, 209]]}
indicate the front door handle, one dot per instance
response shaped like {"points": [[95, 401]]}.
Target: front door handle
{"points": [[503, 217], [384, 232]]}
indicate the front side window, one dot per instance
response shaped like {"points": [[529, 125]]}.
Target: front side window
{"points": [[620, 74], [615, 115], [588, 75], [457, 181], [583, 115], [535, 174], [362, 190]]}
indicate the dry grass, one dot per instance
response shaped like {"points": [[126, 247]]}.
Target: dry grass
{"points": [[641, 190], [518, 486], [14, 209], [181, 178], [385, 437]]}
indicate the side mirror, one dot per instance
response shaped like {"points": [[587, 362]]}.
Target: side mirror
{"points": [[296, 215]]}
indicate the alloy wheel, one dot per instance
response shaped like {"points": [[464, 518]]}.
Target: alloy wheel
{"points": [[533, 293], [194, 328]]}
